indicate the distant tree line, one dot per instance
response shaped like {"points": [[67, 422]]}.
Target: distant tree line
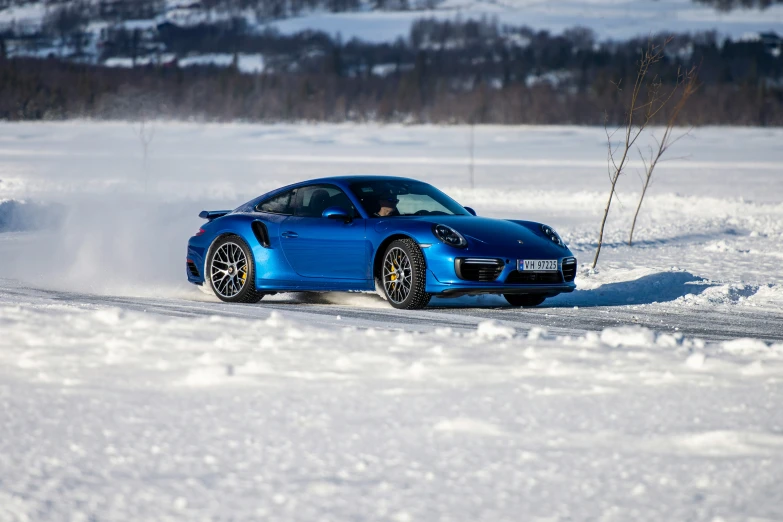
{"points": [[114, 10], [445, 72], [728, 5], [101, 10]]}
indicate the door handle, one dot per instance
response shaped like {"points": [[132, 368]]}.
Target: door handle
{"points": [[289, 234]]}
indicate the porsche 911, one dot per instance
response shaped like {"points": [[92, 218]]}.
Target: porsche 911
{"points": [[401, 237]]}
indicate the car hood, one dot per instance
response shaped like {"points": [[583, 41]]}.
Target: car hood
{"points": [[490, 234]]}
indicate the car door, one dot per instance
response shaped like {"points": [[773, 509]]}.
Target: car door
{"points": [[320, 247]]}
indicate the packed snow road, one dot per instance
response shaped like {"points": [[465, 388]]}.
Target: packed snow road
{"points": [[370, 311]]}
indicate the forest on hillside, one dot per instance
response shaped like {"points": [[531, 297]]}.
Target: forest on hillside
{"points": [[135, 9], [445, 71]]}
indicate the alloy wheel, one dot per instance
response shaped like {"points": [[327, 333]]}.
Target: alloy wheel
{"points": [[228, 272], [397, 275]]}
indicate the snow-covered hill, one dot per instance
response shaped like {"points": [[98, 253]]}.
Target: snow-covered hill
{"points": [[610, 19]]}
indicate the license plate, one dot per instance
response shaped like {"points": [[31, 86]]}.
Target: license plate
{"points": [[537, 265]]}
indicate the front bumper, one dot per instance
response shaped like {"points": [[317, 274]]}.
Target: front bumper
{"points": [[547, 290], [446, 276]]}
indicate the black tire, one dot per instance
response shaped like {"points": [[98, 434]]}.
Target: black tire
{"points": [[524, 299], [247, 293], [415, 298]]}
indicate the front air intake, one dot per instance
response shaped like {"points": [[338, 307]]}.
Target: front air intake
{"points": [[478, 269], [569, 269], [534, 278]]}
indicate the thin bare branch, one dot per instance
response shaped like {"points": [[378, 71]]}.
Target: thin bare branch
{"points": [[648, 98], [675, 158], [686, 86]]}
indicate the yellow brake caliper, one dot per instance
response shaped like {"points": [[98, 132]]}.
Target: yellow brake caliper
{"points": [[244, 274]]}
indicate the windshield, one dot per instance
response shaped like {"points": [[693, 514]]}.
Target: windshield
{"points": [[389, 198]]}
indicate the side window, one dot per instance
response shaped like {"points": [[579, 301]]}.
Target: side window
{"points": [[313, 200], [412, 203], [280, 204]]}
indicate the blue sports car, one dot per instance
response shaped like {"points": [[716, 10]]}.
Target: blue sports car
{"points": [[402, 237]]}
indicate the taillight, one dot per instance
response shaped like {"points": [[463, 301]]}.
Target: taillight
{"points": [[200, 231]]}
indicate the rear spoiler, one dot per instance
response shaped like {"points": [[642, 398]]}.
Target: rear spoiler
{"points": [[212, 214]]}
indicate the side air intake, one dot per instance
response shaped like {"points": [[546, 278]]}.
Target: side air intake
{"points": [[261, 233], [192, 268]]}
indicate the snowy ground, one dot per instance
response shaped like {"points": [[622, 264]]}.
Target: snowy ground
{"points": [[653, 392]]}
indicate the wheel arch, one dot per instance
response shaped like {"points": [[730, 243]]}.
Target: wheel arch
{"points": [[378, 258], [248, 293], [208, 253]]}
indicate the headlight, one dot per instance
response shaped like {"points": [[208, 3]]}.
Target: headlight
{"points": [[449, 236], [552, 235]]}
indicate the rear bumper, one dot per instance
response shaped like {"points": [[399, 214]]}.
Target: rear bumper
{"points": [[194, 263]]}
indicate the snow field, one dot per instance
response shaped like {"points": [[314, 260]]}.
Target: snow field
{"points": [[171, 406], [170, 418]]}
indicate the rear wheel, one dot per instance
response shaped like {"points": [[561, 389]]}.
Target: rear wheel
{"points": [[524, 299], [403, 275], [231, 271]]}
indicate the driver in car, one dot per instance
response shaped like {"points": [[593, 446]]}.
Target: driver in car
{"points": [[387, 204]]}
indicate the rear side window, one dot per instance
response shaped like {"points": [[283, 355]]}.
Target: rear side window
{"points": [[313, 200], [279, 204]]}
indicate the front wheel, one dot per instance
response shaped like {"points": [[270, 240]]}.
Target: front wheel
{"points": [[231, 271], [524, 299], [403, 275]]}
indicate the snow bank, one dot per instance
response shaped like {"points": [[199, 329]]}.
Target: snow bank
{"points": [[635, 286], [627, 336], [491, 330], [78, 344], [753, 347], [769, 296]]}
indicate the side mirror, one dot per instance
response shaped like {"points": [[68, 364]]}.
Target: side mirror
{"points": [[337, 213], [472, 212]]}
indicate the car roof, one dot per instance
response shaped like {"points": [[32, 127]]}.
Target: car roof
{"points": [[342, 181], [355, 179]]}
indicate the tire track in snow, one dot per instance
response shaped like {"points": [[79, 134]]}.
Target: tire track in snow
{"points": [[694, 322]]}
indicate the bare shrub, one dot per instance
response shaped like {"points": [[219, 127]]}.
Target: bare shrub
{"points": [[687, 84], [647, 98]]}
